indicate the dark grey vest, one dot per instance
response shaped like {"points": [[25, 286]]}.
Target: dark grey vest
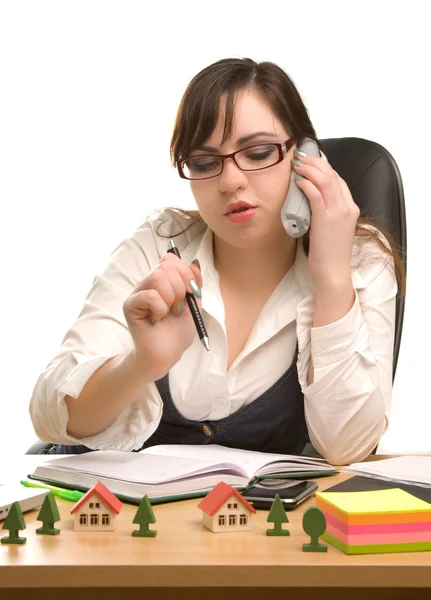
{"points": [[273, 422]]}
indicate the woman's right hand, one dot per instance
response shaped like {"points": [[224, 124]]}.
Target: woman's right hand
{"points": [[160, 334]]}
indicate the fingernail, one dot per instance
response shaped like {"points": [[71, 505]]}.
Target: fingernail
{"points": [[180, 308], [297, 163], [196, 289], [197, 263], [300, 153]]}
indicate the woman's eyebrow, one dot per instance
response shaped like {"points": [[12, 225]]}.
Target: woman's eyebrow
{"points": [[242, 140]]}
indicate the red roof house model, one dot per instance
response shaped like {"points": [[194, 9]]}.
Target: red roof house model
{"points": [[104, 494], [218, 496]]}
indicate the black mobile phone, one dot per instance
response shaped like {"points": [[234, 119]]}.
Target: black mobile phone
{"points": [[291, 493]]}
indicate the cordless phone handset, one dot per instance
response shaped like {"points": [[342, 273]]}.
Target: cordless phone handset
{"points": [[295, 214]]}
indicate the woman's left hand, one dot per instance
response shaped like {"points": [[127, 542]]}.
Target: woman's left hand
{"points": [[333, 219]]}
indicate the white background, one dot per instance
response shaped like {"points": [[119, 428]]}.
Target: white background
{"points": [[88, 96]]}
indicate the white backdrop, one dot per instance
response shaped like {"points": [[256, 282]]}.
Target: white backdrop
{"points": [[88, 96]]}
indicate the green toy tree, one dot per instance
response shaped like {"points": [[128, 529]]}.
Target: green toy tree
{"points": [[48, 514], [314, 523], [14, 522], [277, 515], [144, 516]]}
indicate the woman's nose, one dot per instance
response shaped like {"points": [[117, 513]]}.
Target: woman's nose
{"points": [[232, 177]]}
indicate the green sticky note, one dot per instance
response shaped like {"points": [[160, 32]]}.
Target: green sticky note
{"points": [[376, 548]]}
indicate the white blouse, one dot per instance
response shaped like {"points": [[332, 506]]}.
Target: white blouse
{"points": [[347, 406]]}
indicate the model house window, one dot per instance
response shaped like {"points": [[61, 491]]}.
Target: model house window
{"points": [[229, 505], [105, 519], [91, 505], [243, 519], [97, 504], [232, 519], [222, 520], [235, 506], [83, 519], [94, 519]]}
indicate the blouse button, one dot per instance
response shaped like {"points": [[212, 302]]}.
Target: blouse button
{"points": [[207, 431]]}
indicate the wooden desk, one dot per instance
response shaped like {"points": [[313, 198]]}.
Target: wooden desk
{"points": [[186, 559]]}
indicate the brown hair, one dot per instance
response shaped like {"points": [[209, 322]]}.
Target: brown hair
{"points": [[199, 110]]}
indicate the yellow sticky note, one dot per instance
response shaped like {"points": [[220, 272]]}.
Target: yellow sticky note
{"points": [[374, 502]]}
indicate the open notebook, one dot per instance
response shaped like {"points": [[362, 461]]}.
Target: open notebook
{"points": [[175, 471]]}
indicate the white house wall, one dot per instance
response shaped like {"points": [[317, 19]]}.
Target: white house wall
{"points": [[212, 523], [102, 510]]}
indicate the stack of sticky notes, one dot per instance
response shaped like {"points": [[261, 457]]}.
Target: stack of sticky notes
{"points": [[376, 521]]}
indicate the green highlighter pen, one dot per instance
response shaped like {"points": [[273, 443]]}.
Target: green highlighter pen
{"points": [[71, 495]]}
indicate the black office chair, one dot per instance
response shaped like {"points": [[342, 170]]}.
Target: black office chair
{"points": [[376, 186]]}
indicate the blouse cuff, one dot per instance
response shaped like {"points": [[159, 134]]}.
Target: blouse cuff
{"points": [[329, 343], [338, 340], [133, 426]]}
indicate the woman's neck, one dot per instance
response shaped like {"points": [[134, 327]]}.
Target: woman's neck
{"points": [[247, 270]]}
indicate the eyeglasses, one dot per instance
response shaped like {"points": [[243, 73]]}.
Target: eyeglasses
{"points": [[253, 158]]}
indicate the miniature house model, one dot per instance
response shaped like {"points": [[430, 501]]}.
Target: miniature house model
{"points": [[225, 509], [96, 510]]}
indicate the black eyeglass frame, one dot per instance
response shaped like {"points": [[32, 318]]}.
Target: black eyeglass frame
{"points": [[282, 147]]}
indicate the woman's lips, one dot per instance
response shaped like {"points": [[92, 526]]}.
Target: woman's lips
{"points": [[242, 216]]}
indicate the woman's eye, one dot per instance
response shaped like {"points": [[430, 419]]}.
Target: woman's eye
{"points": [[259, 155], [203, 165], [206, 166]]}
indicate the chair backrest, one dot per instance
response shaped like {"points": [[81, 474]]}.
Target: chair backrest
{"points": [[375, 183]]}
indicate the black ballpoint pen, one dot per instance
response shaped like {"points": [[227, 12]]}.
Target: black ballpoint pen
{"points": [[194, 309]]}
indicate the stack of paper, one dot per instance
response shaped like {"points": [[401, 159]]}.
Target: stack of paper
{"points": [[403, 469], [379, 521]]}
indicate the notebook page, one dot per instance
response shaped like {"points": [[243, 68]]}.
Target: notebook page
{"points": [[405, 469], [132, 467], [252, 463]]}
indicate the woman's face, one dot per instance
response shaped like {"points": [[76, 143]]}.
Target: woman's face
{"points": [[265, 190]]}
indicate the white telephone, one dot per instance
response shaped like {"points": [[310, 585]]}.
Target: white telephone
{"points": [[295, 214]]}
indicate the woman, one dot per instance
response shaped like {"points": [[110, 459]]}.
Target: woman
{"points": [[301, 331]]}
